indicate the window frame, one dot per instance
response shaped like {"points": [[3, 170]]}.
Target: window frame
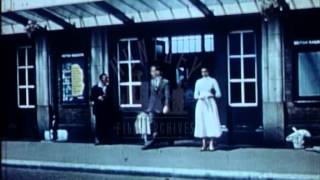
{"points": [[242, 80], [130, 84], [27, 86], [295, 86]]}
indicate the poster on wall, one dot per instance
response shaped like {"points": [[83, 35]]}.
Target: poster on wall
{"points": [[73, 79]]}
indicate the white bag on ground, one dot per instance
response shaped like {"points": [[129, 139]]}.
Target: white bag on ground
{"points": [[297, 137], [142, 124]]}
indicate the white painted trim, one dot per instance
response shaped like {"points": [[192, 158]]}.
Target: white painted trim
{"points": [[134, 83], [128, 39], [26, 86], [72, 55], [127, 62], [26, 67], [242, 31], [131, 105], [244, 56], [26, 106]]}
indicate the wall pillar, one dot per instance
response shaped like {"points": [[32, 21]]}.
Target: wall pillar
{"points": [[272, 81], [42, 84]]}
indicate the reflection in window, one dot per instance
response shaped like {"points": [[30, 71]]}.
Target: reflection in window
{"points": [[309, 73], [181, 75]]}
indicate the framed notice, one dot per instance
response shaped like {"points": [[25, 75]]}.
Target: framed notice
{"points": [[73, 79]]}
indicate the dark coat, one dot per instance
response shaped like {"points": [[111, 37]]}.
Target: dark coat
{"points": [[109, 103]]}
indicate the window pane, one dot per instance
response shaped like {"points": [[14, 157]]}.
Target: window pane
{"points": [[165, 41], [180, 44], [31, 58], [235, 68], [208, 43], [22, 96], [136, 93], [309, 73], [137, 72], [192, 44], [198, 43], [250, 93], [186, 44], [21, 57], [31, 76], [248, 43], [235, 92], [234, 44], [22, 76], [249, 67], [174, 45], [32, 96], [124, 72], [135, 45], [124, 94], [123, 50]]}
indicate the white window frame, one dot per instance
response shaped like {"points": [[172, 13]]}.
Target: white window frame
{"points": [[242, 80], [26, 86], [129, 83]]}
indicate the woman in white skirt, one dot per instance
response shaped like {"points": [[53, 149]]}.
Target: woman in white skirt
{"points": [[207, 121]]}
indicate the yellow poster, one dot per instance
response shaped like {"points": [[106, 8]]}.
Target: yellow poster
{"points": [[77, 80]]}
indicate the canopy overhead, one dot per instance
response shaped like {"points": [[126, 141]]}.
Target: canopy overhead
{"points": [[64, 14]]}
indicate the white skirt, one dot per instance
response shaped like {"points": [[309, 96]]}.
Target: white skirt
{"points": [[207, 121]]}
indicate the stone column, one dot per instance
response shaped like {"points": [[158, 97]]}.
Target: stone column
{"points": [[42, 84], [272, 81]]}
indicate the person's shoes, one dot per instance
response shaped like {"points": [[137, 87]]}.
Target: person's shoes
{"points": [[96, 141], [203, 149], [149, 144], [211, 148]]}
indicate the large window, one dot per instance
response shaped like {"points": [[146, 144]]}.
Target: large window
{"points": [[242, 69], [26, 77], [130, 73], [309, 74]]}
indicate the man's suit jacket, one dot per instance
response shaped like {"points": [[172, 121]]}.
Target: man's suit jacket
{"points": [[159, 96]]}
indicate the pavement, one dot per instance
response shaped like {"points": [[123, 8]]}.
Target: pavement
{"points": [[182, 160]]}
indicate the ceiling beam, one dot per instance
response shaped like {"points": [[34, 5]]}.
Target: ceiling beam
{"points": [[202, 7], [56, 19], [16, 17], [108, 8]]}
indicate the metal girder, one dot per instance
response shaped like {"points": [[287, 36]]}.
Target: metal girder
{"points": [[60, 21], [108, 8], [202, 7], [16, 17]]}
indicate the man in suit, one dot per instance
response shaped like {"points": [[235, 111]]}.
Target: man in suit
{"points": [[104, 107], [158, 100]]}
